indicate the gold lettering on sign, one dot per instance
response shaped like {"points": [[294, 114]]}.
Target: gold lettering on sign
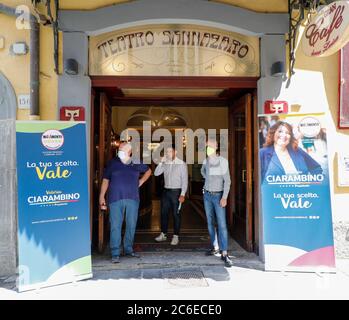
{"points": [[174, 50]]}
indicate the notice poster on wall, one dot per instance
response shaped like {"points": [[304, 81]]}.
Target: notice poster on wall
{"points": [[295, 192], [53, 207]]}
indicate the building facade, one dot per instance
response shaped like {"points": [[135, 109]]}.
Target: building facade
{"points": [[219, 55]]}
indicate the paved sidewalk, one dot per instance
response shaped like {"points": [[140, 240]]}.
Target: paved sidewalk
{"points": [[182, 274]]}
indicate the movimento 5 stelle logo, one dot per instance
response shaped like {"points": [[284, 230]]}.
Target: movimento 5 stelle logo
{"points": [[52, 139]]}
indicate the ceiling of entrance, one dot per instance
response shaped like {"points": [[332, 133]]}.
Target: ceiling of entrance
{"points": [[280, 6], [172, 92], [170, 97]]}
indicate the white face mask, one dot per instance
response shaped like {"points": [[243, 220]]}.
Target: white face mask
{"points": [[121, 154]]}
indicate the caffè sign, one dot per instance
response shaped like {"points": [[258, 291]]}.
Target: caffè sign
{"points": [[328, 31], [174, 50]]}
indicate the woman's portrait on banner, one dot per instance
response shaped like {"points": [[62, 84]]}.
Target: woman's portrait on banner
{"points": [[287, 151]]}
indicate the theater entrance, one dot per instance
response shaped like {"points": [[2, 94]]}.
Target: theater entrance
{"points": [[177, 104]]}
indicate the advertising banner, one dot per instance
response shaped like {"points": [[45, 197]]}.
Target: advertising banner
{"points": [[53, 207], [295, 192]]}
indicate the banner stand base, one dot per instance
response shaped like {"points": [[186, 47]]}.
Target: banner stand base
{"points": [[39, 286], [316, 270]]}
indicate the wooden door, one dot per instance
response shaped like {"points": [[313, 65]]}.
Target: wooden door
{"points": [[241, 165], [104, 155], [93, 190]]}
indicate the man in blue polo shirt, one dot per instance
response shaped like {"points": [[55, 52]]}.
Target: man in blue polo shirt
{"points": [[122, 179]]}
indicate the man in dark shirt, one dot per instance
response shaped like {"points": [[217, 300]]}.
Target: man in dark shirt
{"points": [[122, 179]]}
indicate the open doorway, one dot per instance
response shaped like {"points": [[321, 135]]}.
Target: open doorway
{"points": [[118, 108], [177, 120]]}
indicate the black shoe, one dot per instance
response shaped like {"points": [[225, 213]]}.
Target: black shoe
{"points": [[115, 259], [222, 257], [227, 261], [132, 255], [211, 252]]}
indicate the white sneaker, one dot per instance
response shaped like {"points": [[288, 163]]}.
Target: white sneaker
{"points": [[161, 237], [175, 240]]}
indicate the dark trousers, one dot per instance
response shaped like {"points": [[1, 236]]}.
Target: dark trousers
{"points": [[169, 202]]}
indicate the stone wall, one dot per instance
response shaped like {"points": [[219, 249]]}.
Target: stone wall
{"points": [[8, 198], [341, 239]]}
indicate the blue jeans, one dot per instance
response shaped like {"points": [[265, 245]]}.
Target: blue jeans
{"points": [[119, 209], [216, 215]]}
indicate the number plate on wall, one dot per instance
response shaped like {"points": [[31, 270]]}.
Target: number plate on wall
{"points": [[24, 101]]}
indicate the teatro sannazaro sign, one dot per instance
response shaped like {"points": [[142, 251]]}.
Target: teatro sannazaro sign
{"points": [[174, 50]]}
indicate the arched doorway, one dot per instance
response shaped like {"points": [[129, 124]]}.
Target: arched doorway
{"points": [[8, 192], [8, 103], [202, 96]]}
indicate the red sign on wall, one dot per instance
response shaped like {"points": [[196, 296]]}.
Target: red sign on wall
{"points": [[72, 113], [272, 107], [343, 114]]}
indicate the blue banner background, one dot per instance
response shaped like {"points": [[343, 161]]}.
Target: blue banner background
{"points": [[305, 234], [287, 229], [64, 238]]}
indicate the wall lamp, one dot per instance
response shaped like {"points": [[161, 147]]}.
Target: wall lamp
{"points": [[278, 69], [19, 49], [71, 67]]}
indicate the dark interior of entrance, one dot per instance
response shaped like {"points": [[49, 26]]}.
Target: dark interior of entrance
{"points": [[116, 108]]}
